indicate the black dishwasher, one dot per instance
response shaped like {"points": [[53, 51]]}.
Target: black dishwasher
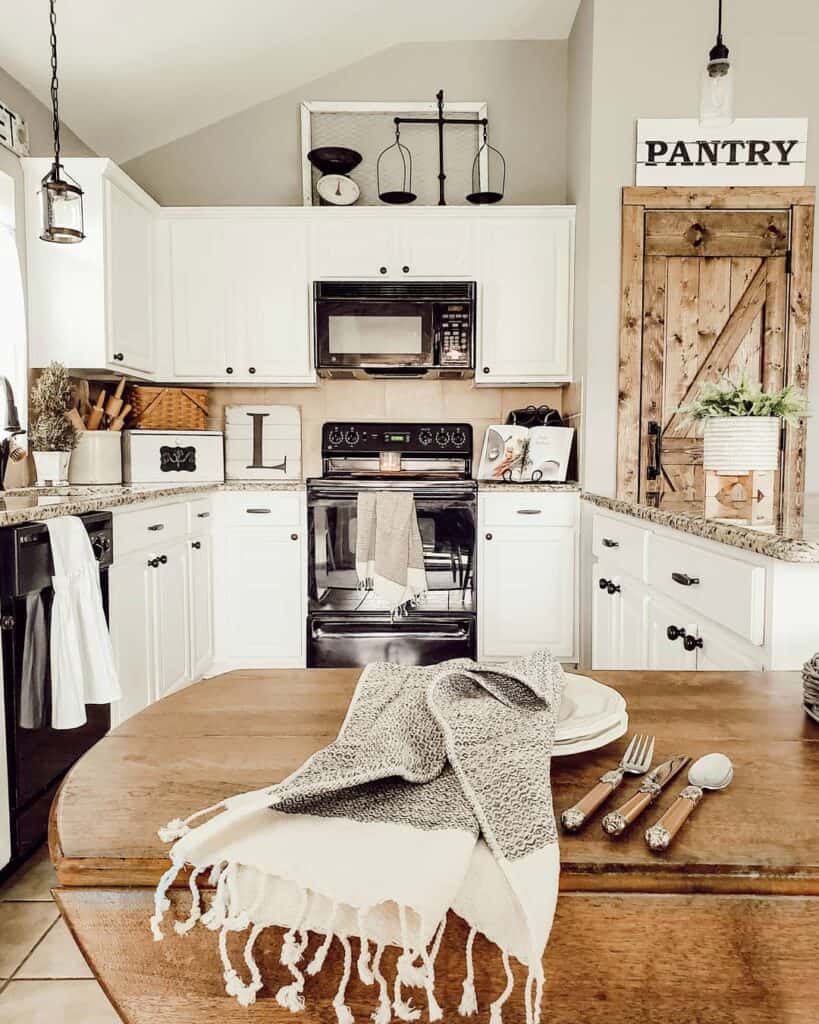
{"points": [[39, 756]]}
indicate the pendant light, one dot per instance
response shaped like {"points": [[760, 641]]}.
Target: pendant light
{"points": [[61, 195], [717, 90]]}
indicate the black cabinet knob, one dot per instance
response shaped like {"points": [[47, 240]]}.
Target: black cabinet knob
{"points": [[489, 536], [691, 643], [163, 559], [603, 584], [153, 562], [486, 369], [294, 536], [609, 543], [251, 369], [228, 369], [196, 544], [405, 269], [119, 356], [613, 588], [675, 632], [382, 270]]}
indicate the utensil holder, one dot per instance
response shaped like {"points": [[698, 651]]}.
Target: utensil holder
{"points": [[97, 459]]}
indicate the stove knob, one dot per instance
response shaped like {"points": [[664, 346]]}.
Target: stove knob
{"points": [[98, 547], [458, 437], [442, 438], [352, 437], [425, 435], [335, 437]]}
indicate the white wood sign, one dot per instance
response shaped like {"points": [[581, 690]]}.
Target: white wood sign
{"points": [[750, 151], [262, 442]]}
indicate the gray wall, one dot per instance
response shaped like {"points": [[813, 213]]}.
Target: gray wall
{"points": [[647, 60], [254, 157]]}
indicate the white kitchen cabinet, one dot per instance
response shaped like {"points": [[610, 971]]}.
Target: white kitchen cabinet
{"points": [[526, 271], [619, 621], [90, 305], [239, 296], [260, 580], [200, 588], [171, 619], [385, 244], [130, 582]]}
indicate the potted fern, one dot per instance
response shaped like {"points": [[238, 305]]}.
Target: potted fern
{"points": [[742, 423], [52, 437]]}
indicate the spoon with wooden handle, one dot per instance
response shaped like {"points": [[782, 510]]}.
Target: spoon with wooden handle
{"points": [[616, 822], [635, 761], [714, 772]]}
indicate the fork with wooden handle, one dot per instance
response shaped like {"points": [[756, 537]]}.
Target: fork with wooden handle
{"points": [[635, 761]]}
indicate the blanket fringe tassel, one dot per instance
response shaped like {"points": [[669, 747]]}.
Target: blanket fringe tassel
{"points": [[496, 1008], [469, 1000], [383, 1014], [344, 1014], [179, 827]]}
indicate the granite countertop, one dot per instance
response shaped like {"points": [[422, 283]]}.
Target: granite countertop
{"points": [[36, 504], [502, 485], [795, 539]]}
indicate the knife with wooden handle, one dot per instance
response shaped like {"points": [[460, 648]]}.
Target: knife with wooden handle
{"points": [[659, 836], [574, 818], [616, 822]]}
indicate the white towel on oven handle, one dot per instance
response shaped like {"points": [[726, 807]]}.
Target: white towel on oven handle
{"points": [[82, 658]]}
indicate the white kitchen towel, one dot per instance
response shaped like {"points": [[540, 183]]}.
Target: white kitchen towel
{"points": [[435, 796], [389, 555], [82, 658]]}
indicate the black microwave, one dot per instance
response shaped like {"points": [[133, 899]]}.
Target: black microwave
{"points": [[366, 329]]}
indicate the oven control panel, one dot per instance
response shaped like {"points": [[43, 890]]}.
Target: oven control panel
{"points": [[346, 438]]}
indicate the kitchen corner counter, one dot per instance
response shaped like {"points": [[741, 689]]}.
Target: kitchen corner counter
{"points": [[525, 486], [37, 504], [792, 541]]}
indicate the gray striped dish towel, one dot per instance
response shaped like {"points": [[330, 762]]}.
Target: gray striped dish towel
{"points": [[389, 557]]}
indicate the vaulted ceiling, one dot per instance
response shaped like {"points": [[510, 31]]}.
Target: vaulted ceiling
{"points": [[135, 74]]}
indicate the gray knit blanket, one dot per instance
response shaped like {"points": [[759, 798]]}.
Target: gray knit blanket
{"points": [[434, 797]]}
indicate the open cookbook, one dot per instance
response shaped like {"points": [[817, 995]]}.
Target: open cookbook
{"points": [[520, 454]]}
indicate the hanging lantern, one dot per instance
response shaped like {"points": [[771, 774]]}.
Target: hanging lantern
{"points": [[717, 89], [403, 195], [61, 196], [490, 155]]}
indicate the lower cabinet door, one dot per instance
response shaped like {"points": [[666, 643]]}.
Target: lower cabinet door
{"points": [[130, 583], [526, 589], [262, 604], [604, 624], [721, 653], [171, 619], [631, 602], [200, 586], [665, 653]]}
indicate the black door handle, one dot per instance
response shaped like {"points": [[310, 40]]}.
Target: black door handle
{"points": [[684, 579], [655, 451]]}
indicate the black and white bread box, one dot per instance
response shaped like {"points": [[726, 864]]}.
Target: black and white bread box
{"points": [[170, 457]]}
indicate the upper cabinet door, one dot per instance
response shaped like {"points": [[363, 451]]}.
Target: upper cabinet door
{"points": [[201, 298], [350, 246], [526, 307], [430, 247], [129, 245]]}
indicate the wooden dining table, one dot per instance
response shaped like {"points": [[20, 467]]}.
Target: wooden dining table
{"points": [[722, 928]]}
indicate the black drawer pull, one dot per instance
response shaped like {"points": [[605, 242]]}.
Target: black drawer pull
{"points": [[691, 643], [202, 515], [529, 511], [609, 543], [156, 526], [684, 579], [258, 511]]}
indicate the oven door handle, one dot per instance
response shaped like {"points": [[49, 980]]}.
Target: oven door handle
{"points": [[374, 633]]}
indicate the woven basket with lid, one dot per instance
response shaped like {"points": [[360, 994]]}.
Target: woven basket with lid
{"points": [[163, 408]]}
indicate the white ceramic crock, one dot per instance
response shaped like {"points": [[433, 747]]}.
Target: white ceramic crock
{"points": [[97, 459], [51, 468], [741, 444]]}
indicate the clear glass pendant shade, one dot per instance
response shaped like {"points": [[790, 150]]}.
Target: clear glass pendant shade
{"points": [[717, 94], [61, 209]]}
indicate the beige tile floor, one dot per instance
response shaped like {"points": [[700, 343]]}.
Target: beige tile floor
{"points": [[43, 976]]}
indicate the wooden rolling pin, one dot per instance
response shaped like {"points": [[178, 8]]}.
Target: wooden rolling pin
{"points": [[95, 416], [117, 422], [113, 406], [75, 419]]}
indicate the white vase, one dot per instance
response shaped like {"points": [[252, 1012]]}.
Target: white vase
{"points": [[741, 444], [52, 468]]}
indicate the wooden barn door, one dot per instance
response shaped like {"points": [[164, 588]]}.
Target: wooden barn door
{"points": [[712, 289]]}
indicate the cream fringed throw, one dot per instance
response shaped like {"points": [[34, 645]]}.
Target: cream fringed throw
{"points": [[389, 556], [436, 795]]}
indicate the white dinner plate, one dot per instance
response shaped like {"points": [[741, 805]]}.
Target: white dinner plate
{"points": [[589, 709], [592, 742]]}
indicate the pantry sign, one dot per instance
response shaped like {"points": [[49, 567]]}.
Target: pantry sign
{"points": [[750, 151]]}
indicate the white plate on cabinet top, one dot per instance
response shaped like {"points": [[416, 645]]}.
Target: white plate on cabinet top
{"points": [[589, 709], [592, 742]]}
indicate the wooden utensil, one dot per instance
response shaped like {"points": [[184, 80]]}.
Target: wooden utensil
{"points": [[75, 419], [113, 406], [95, 416], [616, 822], [118, 421], [635, 761], [713, 771]]}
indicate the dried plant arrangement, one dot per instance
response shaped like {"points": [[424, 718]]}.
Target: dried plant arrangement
{"points": [[51, 398]]}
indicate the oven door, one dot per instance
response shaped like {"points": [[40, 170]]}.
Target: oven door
{"points": [[344, 641], [447, 525], [373, 334]]}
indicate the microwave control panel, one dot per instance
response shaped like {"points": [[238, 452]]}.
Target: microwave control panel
{"points": [[454, 334]]}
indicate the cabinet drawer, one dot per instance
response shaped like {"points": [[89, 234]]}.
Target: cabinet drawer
{"points": [[528, 508], [148, 528], [200, 513], [260, 508], [621, 544], [727, 590]]}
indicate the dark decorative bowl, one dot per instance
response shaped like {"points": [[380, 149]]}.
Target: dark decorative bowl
{"points": [[484, 198], [397, 198], [334, 159]]}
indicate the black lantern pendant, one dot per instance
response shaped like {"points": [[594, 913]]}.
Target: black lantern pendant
{"points": [[482, 198], [61, 195]]}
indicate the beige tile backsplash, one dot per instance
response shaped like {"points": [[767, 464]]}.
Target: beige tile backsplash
{"points": [[385, 400]]}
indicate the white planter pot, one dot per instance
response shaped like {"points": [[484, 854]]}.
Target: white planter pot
{"points": [[741, 444], [51, 468], [97, 459]]}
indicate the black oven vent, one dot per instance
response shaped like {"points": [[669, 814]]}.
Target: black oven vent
{"points": [[448, 291]]}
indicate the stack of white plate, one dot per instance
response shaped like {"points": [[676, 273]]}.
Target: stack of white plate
{"points": [[591, 715]]}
